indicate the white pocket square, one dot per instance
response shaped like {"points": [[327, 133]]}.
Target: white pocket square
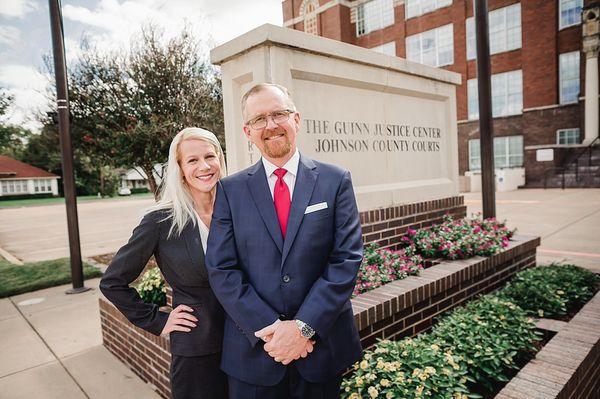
{"points": [[315, 207]]}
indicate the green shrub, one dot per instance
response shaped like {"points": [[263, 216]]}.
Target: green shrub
{"points": [[410, 368], [152, 287], [26, 196], [551, 291], [139, 190], [491, 335], [478, 344]]}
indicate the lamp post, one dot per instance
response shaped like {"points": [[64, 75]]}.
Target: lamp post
{"points": [[62, 102], [486, 132]]}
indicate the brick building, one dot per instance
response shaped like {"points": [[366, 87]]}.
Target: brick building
{"points": [[538, 68]]}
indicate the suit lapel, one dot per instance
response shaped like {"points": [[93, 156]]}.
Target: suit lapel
{"points": [[261, 194], [303, 188], [194, 247]]}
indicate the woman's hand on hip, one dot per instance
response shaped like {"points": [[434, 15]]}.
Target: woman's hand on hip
{"points": [[180, 320]]}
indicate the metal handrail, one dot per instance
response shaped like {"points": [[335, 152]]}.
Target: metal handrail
{"points": [[554, 168], [574, 160]]}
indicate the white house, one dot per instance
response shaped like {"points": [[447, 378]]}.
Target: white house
{"points": [[19, 178], [137, 178]]}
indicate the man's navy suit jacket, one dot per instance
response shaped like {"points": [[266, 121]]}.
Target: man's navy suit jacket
{"points": [[259, 277]]}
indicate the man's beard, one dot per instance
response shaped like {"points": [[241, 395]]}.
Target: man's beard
{"points": [[278, 149]]}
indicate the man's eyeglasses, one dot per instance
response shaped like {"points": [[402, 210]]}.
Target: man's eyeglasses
{"points": [[278, 117]]}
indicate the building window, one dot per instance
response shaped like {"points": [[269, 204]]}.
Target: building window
{"points": [[508, 152], [434, 47], [569, 77], [14, 187], [310, 17], [374, 15], [569, 13], [504, 31], [387, 49], [507, 95], [42, 185], [567, 136], [415, 8]]}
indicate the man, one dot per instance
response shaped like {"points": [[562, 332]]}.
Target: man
{"points": [[283, 253]]}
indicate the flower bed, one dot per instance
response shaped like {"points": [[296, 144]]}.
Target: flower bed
{"points": [[382, 266], [472, 351], [555, 291], [479, 343], [453, 239], [459, 239]]}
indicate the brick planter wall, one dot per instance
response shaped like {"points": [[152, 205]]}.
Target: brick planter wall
{"points": [[568, 366], [145, 354], [407, 307]]}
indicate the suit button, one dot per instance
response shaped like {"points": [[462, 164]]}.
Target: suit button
{"points": [[286, 279]]}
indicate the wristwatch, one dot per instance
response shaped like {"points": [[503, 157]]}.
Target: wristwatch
{"points": [[305, 330]]}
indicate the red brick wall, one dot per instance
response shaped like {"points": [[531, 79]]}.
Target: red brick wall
{"points": [[542, 43], [387, 226]]}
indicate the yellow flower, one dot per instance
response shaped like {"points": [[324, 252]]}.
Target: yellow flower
{"points": [[385, 383], [373, 392], [368, 356], [430, 370], [419, 389], [389, 395], [416, 372], [560, 292], [380, 364], [364, 364], [354, 396], [359, 382], [435, 347]]}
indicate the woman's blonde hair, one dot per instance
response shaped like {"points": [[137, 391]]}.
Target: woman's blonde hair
{"points": [[175, 197]]}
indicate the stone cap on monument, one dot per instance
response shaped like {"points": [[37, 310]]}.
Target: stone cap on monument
{"points": [[277, 36]]}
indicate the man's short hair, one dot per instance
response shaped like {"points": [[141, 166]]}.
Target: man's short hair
{"points": [[262, 86]]}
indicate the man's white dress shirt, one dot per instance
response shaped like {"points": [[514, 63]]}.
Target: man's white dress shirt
{"points": [[289, 178]]}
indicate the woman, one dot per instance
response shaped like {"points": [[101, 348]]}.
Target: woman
{"points": [[175, 231]]}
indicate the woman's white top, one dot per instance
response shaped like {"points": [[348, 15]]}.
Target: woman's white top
{"points": [[203, 232]]}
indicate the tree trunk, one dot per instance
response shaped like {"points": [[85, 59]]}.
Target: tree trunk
{"points": [[148, 170], [102, 180]]}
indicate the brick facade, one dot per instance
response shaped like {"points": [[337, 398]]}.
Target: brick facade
{"points": [[541, 44]]}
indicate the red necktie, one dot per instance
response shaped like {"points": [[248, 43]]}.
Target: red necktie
{"points": [[281, 196]]}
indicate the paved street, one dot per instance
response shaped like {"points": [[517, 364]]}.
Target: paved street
{"points": [[568, 222], [40, 233]]}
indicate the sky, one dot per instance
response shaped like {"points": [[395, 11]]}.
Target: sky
{"points": [[106, 24]]}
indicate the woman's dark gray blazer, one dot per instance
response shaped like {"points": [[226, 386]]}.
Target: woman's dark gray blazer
{"points": [[181, 261]]}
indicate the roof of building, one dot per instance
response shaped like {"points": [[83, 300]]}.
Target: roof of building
{"points": [[12, 169]]}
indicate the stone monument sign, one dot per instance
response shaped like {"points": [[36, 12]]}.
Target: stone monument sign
{"points": [[391, 122]]}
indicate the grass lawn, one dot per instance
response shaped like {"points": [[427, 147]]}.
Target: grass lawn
{"points": [[16, 279], [61, 200]]}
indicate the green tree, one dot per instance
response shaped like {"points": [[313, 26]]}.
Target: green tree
{"points": [[12, 138], [126, 108]]}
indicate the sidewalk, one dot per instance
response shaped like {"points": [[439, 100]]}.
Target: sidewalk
{"points": [[52, 348], [568, 221]]}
